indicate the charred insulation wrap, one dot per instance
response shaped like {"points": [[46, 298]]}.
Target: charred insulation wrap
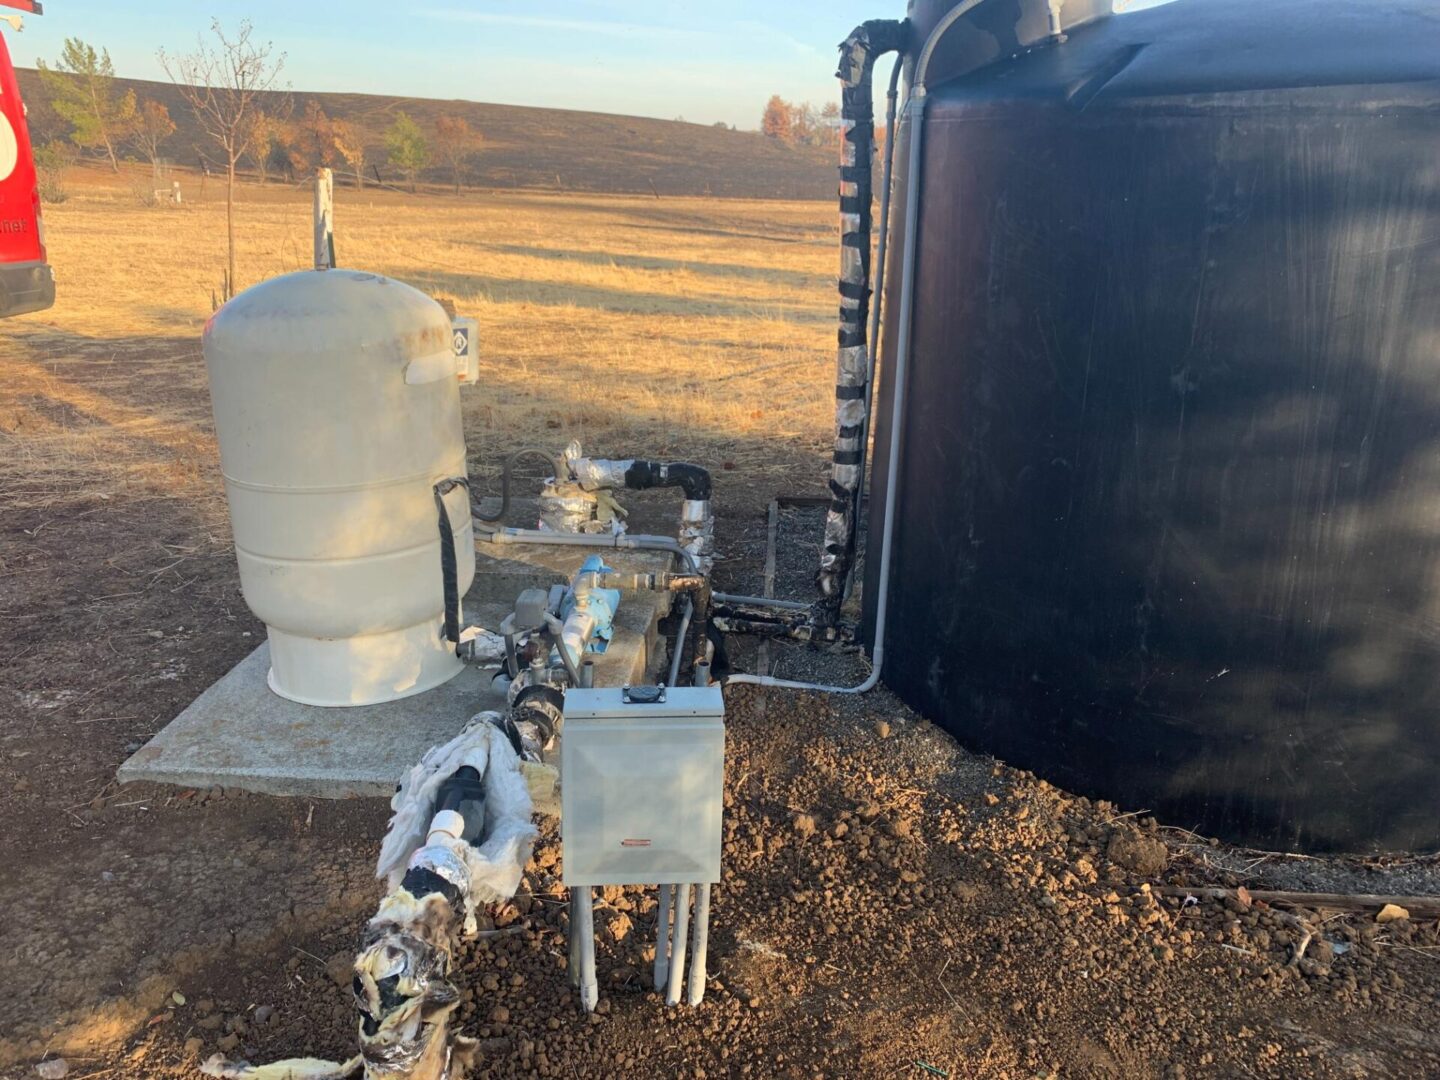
{"points": [[697, 533], [438, 875], [852, 391]]}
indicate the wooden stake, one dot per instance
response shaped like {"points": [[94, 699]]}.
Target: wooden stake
{"points": [[324, 219]]}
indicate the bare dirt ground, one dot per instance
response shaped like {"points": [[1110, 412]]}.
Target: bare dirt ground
{"points": [[893, 905]]}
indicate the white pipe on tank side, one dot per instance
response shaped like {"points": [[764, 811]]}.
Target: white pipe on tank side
{"points": [[915, 107]]}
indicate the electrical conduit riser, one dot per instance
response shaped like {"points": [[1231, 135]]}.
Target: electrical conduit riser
{"points": [[852, 366]]}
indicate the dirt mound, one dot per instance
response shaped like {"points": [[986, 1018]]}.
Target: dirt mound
{"points": [[890, 906]]}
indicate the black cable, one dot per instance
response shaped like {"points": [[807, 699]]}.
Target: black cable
{"points": [[449, 569], [555, 464]]}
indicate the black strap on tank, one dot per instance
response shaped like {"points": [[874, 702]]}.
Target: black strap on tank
{"points": [[449, 568]]}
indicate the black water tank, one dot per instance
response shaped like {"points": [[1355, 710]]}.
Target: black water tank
{"points": [[1169, 498]]}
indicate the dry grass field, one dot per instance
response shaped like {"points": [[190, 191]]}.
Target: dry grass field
{"points": [[891, 904], [639, 325]]}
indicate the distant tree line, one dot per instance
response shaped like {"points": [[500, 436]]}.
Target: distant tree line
{"points": [[231, 85], [264, 130], [800, 123]]}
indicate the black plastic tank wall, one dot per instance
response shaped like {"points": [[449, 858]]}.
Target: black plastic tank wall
{"points": [[1168, 507]]}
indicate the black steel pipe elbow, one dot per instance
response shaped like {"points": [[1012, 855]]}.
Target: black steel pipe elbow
{"points": [[693, 479]]}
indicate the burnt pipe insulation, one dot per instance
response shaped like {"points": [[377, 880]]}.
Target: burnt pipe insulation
{"points": [[858, 52]]}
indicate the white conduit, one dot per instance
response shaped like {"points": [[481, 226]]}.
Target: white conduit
{"points": [[677, 946], [702, 942], [662, 939], [589, 987]]}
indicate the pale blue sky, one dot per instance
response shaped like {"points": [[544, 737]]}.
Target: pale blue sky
{"points": [[704, 61]]}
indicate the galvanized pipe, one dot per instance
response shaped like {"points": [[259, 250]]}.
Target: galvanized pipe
{"points": [[759, 601], [678, 652], [590, 540]]}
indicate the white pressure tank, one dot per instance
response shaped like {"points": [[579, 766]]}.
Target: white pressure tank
{"points": [[337, 410]]}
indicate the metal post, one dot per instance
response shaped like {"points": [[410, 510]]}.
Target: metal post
{"points": [[324, 219], [587, 674]]}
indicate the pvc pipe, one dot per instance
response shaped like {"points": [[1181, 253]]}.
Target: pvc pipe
{"points": [[587, 674], [557, 631], [590, 540], [759, 601], [678, 652], [573, 969], [589, 988], [677, 957], [445, 825], [702, 943], [662, 939], [916, 108], [874, 339]]}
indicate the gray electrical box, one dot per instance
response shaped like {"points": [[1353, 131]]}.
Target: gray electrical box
{"points": [[642, 775]]}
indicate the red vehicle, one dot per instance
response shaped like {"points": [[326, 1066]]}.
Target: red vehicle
{"points": [[26, 283]]}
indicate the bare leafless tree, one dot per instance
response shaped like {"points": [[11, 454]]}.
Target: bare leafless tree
{"points": [[223, 84]]}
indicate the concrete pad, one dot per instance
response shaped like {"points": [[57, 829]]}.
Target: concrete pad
{"points": [[238, 733]]}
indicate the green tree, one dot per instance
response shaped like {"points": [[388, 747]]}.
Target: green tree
{"points": [[83, 93], [406, 147]]}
